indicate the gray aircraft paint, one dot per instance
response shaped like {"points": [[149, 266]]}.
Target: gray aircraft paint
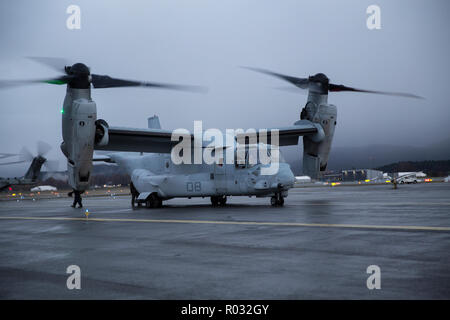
{"points": [[155, 173]]}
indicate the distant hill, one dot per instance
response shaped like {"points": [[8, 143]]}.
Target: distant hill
{"points": [[107, 169], [101, 174], [373, 156], [431, 168]]}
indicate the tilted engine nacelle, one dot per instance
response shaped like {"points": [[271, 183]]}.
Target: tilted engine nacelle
{"points": [[101, 133], [316, 148], [79, 126]]}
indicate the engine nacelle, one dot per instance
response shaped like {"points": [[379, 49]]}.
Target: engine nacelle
{"points": [[101, 133], [316, 148], [79, 124]]}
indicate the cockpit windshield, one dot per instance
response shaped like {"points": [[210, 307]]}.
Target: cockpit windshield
{"points": [[251, 155]]}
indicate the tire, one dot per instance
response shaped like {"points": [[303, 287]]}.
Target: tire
{"points": [[273, 201], [281, 201], [214, 201], [155, 202], [222, 200]]}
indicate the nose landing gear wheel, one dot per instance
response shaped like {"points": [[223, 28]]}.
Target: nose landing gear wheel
{"points": [[153, 201]]}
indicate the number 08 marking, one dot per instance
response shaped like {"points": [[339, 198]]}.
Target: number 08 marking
{"points": [[190, 186]]}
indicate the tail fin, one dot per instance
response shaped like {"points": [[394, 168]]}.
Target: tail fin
{"points": [[153, 122]]}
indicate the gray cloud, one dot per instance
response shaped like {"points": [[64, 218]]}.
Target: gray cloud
{"points": [[203, 42]]}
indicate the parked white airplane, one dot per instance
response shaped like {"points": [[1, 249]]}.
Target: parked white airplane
{"points": [[43, 188], [302, 179]]}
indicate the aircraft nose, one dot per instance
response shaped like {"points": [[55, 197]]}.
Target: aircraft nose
{"points": [[286, 177]]}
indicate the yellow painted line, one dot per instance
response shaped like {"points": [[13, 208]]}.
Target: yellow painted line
{"points": [[252, 223]]}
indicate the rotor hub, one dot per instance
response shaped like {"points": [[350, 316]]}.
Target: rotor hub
{"points": [[80, 76], [319, 83]]}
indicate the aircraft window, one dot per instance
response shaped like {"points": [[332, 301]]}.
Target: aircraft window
{"points": [[238, 160], [251, 152]]}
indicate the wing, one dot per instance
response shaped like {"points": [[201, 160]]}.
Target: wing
{"points": [[139, 140], [159, 141], [287, 135]]}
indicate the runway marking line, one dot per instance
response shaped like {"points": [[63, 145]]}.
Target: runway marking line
{"points": [[253, 223]]}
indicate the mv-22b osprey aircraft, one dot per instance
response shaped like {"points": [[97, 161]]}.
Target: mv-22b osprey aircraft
{"points": [[32, 174], [154, 175]]}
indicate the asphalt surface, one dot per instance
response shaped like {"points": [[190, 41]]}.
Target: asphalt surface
{"points": [[318, 246]]}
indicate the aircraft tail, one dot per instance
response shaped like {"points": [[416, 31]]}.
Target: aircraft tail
{"points": [[153, 122]]}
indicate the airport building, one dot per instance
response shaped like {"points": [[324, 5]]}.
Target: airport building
{"points": [[331, 176], [361, 175]]}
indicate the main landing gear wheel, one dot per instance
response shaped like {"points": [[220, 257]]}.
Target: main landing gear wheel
{"points": [[222, 200], [277, 200], [153, 201], [218, 201]]}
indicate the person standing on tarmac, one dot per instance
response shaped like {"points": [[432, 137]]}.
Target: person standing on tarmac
{"points": [[76, 199]]}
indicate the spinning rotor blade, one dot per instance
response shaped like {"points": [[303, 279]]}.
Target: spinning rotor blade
{"points": [[57, 64], [15, 83], [43, 148], [291, 90], [78, 76], [52, 165], [339, 87], [13, 162], [103, 81], [26, 155], [322, 81], [7, 155], [301, 83]]}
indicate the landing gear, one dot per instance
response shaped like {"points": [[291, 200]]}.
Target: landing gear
{"points": [[153, 201], [277, 200], [218, 201], [134, 195], [222, 200], [134, 203]]}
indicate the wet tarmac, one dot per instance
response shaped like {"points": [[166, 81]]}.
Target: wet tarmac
{"points": [[318, 246]]}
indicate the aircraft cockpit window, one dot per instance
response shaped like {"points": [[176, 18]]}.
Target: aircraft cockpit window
{"points": [[252, 157], [239, 159]]}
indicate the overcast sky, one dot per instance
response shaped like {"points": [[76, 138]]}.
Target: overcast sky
{"points": [[204, 42]]}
